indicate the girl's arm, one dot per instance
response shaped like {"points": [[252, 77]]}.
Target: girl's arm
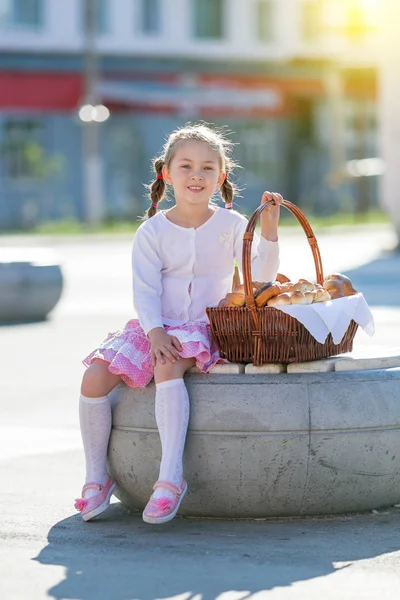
{"points": [[264, 250], [146, 274], [270, 216], [147, 289]]}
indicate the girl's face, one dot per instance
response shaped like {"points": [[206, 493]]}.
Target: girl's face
{"points": [[194, 172]]}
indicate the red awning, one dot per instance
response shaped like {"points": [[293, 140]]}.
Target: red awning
{"points": [[208, 93], [40, 91]]}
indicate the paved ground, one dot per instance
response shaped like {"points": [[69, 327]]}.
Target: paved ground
{"points": [[46, 551]]}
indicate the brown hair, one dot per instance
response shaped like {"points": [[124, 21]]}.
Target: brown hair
{"points": [[200, 132]]}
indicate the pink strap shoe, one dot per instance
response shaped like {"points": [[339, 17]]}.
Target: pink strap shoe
{"points": [[91, 507], [161, 510]]}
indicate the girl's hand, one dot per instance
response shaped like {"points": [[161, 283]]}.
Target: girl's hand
{"points": [[270, 216], [163, 347]]}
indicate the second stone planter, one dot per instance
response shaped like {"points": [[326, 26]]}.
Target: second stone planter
{"points": [[31, 284]]}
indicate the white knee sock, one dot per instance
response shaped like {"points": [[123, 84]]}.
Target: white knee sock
{"points": [[95, 422], [172, 416]]}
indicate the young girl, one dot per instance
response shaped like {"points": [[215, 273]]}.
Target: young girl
{"points": [[182, 261]]}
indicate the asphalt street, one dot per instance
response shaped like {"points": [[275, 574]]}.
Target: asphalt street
{"points": [[46, 551]]}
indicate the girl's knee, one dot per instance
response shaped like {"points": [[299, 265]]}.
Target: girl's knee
{"points": [[172, 370], [97, 380]]}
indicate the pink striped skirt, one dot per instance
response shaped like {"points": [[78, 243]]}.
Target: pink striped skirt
{"points": [[128, 350]]}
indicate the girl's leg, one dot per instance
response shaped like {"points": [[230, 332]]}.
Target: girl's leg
{"points": [[172, 416], [95, 421]]}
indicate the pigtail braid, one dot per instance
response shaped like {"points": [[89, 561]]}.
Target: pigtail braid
{"points": [[157, 188], [227, 192]]}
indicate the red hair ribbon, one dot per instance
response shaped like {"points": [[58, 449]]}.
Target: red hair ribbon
{"points": [[154, 205], [160, 176], [228, 204]]}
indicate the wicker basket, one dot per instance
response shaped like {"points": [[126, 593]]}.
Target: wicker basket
{"points": [[267, 335]]}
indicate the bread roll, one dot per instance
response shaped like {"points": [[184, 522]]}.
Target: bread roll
{"points": [[287, 287], [232, 299], [336, 293], [236, 299], [335, 288], [281, 278], [295, 287], [239, 289], [280, 300], [321, 295], [298, 298], [338, 281], [303, 286], [255, 286], [309, 296], [269, 290], [307, 285]]}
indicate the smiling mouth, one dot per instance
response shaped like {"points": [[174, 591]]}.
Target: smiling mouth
{"points": [[195, 188]]}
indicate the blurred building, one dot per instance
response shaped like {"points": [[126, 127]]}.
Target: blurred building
{"points": [[389, 115], [294, 79]]}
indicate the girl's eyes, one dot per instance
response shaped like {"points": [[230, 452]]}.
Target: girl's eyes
{"points": [[205, 168]]}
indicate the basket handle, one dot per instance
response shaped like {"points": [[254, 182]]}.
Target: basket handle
{"points": [[248, 240]]}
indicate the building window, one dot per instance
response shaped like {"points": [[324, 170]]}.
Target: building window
{"points": [[101, 17], [311, 20], [148, 16], [257, 150], [21, 13], [208, 16], [265, 15], [21, 150]]}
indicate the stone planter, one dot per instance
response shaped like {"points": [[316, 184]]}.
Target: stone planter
{"points": [[31, 283], [269, 445]]}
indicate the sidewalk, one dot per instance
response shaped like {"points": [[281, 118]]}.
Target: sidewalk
{"points": [[46, 551]]}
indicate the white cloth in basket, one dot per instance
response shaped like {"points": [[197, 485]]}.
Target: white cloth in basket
{"points": [[334, 316]]}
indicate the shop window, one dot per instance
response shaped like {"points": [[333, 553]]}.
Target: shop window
{"points": [[208, 18], [265, 16], [148, 16], [360, 128], [21, 13], [257, 152], [21, 150]]}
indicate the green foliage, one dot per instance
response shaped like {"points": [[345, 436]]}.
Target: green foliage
{"points": [[42, 165], [344, 219], [113, 226], [73, 227]]}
